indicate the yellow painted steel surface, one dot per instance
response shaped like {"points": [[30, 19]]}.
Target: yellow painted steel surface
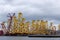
{"points": [[35, 27]]}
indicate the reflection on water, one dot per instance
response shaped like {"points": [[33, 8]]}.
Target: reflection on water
{"points": [[25, 38]]}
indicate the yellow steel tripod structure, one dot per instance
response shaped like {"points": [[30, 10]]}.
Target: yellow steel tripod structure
{"points": [[19, 25]]}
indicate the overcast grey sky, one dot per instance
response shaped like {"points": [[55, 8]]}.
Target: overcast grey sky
{"points": [[32, 9]]}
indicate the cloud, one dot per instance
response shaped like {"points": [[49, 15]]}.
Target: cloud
{"points": [[32, 9]]}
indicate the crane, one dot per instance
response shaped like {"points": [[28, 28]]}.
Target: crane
{"points": [[10, 20]]}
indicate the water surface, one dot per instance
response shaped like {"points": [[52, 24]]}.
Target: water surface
{"points": [[25, 38]]}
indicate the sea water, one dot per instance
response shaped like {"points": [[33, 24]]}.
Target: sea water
{"points": [[25, 38]]}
